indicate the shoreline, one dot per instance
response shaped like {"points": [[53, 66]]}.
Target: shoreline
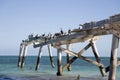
{"points": [[47, 77]]}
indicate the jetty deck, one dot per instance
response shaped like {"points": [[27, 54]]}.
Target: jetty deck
{"points": [[89, 32]]}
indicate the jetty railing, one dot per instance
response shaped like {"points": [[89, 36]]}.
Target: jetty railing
{"points": [[89, 32]]}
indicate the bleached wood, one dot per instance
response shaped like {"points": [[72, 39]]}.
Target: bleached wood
{"points": [[24, 56], [81, 57], [96, 54], [39, 58], [74, 58], [59, 62], [68, 57], [20, 55], [50, 55], [113, 59]]}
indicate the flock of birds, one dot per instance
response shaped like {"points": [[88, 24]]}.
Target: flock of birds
{"points": [[47, 37]]}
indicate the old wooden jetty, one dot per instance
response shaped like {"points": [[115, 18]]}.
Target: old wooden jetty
{"points": [[89, 32]]}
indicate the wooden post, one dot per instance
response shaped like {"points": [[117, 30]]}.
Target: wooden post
{"points": [[50, 55], [59, 62], [38, 59], [20, 55], [96, 54], [24, 55], [113, 59], [68, 57]]}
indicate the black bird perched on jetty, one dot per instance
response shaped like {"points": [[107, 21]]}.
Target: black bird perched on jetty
{"points": [[69, 31], [43, 35], [61, 31]]}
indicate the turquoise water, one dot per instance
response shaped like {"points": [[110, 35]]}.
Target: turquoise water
{"points": [[8, 66]]}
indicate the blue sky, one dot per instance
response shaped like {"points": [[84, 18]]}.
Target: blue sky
{"points": [[19, 18]]}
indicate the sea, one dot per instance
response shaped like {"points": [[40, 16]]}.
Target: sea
{"points": [[8, 66]]}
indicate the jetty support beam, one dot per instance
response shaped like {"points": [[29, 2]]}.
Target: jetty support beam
{"points": [[20, 55], [81, 57], [38, 59], [74, 58], [96, 54], [50, 55], [68, 57], [24, 56], [113, 59], [107, 69], [59, 62]]}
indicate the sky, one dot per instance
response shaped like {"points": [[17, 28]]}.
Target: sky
{"points": [[19, 18]]}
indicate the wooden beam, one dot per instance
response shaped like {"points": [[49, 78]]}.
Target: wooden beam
{"points": [[50, 55], [73, 53], [113, 59], [76, 37], [81, 57], [74, 58], [20, 55], [75, 40], [67, 51], [70, 62], [24, 56], [62, 38], [96, 54], [91, 61], [38, 59], [68, 57], [59, 62], [107, 69]]}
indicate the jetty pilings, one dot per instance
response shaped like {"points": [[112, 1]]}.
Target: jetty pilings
{"points": [[24, 55], [96, 54], [20, 55], [68, 57], [113, 59], [38, 59], [59, 62], [50, 55]]}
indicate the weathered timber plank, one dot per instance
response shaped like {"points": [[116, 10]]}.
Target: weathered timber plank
{"points": [[74, 58], [50, 55], [68, 57], [96, 54], [68, 37], [81, 57]]}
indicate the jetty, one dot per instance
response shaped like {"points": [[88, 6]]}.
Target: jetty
{"points": [[89, 32]]}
